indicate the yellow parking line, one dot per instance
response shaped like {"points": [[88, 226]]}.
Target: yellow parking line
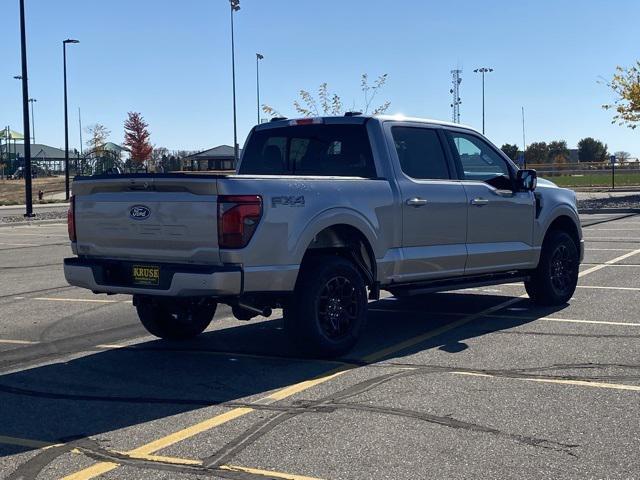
{"points": [[150, 448], [266, 473], [514, 317], [579, 383]]}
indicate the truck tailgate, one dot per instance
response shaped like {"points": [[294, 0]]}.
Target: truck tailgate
{"points": [[160, 218]]}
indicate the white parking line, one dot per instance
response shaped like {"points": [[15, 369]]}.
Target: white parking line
{"points": [[614, 239], [587, 250], [607, 263], [43, 234], [21, 244], [579, 383], [17, 342], [599, 287], [77, 300]]}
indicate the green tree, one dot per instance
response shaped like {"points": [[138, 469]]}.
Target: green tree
{"points": [[510, 151], [592, 150], [558, 151], [328, 103], [625, 84], [537, 152]]}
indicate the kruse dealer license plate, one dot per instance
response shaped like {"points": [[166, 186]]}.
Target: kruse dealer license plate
{"points": [[146, 275]]}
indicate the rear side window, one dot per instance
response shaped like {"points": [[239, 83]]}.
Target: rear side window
{"points": [[322, 150], [420, 153]]}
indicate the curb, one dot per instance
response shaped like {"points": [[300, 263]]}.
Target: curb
{"points": [[33, 222], [36, 206], [599, 211]]}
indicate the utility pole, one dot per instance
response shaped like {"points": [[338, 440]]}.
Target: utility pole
{"points": [[66, 118], [483, 70], [235, 6], [456, 80], [25, 116], [524, 144], [258, 58]]}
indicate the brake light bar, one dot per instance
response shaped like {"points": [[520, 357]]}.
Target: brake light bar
{"points": [[306, 121], [238, 219], [71, 219]]}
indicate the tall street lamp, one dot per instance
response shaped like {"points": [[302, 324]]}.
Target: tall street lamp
{"points": [[33, 119], [66, 117], [235, 6], [483, 70], [259, 57], [25, 115]]}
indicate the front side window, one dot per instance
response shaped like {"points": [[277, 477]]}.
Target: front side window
{"points": [[314, 150], [478, 160], [420, 153]]}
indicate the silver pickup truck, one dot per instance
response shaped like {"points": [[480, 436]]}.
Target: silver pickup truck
{"points": [[321, 215]]}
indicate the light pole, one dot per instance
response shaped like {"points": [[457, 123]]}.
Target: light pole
{"points": [[235, 6], [33, 119], [483, 70], [25, 115], [66, 117], [259, 57]]}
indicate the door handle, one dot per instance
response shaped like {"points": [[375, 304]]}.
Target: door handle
{"points": [[416, 202], [479, 201]]}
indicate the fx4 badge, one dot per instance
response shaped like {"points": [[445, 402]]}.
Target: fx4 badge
{"points": [[288, 201]]}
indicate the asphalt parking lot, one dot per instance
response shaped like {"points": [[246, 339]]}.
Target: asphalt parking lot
{"points": [[471, 384]]}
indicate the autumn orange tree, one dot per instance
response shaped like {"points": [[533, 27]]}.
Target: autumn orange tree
{"points": [[136, 137]]}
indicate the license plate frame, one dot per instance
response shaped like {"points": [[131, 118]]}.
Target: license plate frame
{"points": [[145, 275]]}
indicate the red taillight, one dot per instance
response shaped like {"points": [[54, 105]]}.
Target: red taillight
{"points": [[238, 218], [71, 219]]}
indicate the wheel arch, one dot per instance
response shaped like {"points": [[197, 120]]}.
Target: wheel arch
{"points": [[346, 240], [564, 223]]}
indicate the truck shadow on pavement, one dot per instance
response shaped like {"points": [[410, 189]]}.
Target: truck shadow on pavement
{"points": [[117, 388]]}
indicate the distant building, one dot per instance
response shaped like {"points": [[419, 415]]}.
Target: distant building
{"points": [[48, 158], [216, 158]]}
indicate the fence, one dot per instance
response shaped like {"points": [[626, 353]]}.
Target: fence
{"points": [[597, 174]]}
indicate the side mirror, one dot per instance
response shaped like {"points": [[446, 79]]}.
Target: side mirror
{"points": [[527, 180]]}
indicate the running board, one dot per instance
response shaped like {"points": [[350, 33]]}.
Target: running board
{"points": [[459, 283]]}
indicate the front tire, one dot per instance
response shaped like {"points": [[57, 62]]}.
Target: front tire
{"points": [[175, 319], [554, 281], [329, 307]]}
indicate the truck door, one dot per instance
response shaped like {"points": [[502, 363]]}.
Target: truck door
{"points": [[434, 211], [500, 220]]}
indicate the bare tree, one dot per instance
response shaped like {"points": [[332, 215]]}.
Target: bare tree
{"points": [[329, 103], [98, 136]]}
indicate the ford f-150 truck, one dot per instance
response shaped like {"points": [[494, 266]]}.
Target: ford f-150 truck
{"points": [[321, 214]]}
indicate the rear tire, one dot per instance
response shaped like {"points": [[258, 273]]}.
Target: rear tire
{"points": [[329, 307], [555, 279], [175, 319]]}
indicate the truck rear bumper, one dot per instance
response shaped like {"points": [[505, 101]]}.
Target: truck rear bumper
{"points": [[175, 280]]}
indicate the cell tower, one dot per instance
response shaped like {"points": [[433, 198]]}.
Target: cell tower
{"points": [[456, 80]]}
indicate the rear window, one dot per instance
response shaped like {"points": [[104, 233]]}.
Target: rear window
{"points": [[324, 150]]}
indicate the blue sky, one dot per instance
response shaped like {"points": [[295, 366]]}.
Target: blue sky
{"points": [[170, 61]]}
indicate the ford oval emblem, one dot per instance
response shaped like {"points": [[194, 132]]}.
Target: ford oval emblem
{"points": [[139, 212]]}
